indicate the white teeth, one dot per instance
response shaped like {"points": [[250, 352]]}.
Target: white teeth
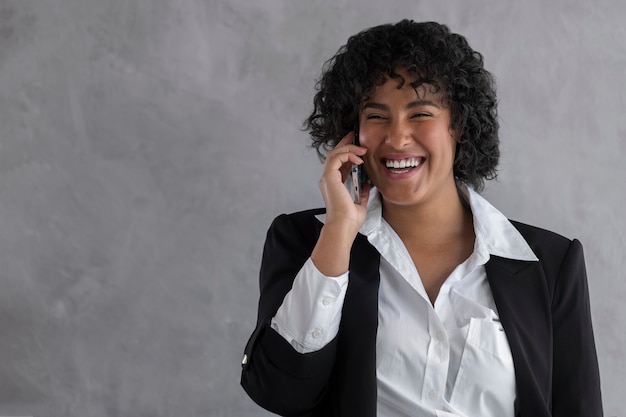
{"points": [[402, 163]]}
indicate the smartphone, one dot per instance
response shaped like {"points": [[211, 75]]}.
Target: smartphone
{"points": [[357, 172]]}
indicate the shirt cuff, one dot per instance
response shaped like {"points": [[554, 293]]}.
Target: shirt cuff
{"points": [[310, 314]]}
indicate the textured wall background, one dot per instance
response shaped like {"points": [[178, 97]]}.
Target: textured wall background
{"points": [[145, 146]]}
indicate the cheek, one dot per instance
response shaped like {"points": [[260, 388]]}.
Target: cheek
{"points": [[370, 163], [369, 160], [371, 135], [366, 139], [370, 157], [442, 141]]}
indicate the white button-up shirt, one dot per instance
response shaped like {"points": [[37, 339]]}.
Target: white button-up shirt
{"points": [[450, 359]]}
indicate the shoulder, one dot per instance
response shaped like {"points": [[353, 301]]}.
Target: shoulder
{"points": [[302, 227], [551, 248], [536, 234], [298, 219]]}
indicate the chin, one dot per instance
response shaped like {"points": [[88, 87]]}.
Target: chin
{"points": [[401, 198]]}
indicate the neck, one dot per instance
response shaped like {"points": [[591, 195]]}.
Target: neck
{"points": [[437, 222]]}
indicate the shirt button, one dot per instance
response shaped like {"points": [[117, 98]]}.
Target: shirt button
{"points": [[327, 301], [441, 336], [317, 333], [433, 395]]}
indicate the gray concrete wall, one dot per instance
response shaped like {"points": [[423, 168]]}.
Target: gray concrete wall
{"points": [[145, 146]]}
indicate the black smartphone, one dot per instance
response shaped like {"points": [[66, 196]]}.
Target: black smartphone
{"points": [[357, 172]]}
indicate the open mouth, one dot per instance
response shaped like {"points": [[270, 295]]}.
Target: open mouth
{"points": [[402, 166]]}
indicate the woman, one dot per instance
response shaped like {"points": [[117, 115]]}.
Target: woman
{"points": [[422, 299]]}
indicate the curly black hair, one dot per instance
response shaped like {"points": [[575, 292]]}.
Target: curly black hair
{"points": [[437, 57]]}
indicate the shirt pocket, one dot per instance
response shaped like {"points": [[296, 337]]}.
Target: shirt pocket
{"points": [[485, 383]]}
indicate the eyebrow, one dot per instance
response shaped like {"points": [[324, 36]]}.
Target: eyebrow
{"points": [[416, 103]]}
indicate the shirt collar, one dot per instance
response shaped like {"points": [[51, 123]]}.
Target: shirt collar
{"points": [[495, 234], [495, 231]]}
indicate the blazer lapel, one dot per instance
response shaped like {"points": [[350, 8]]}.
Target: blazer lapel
{"points": [[523, 302]]}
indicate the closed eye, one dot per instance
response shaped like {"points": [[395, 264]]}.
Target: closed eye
{"points": [[421, 114], [374, 116]]}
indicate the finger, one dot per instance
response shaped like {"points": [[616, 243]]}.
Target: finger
{"points": [[338, 169], [346, 140], [342, 160], [348, 149]]}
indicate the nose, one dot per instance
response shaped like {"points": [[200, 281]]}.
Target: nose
{"points": [[399, 134]]}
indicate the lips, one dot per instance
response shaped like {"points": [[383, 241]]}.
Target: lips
{"points": [[402, 165]]}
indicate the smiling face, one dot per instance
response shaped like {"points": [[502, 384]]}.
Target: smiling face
{"points": [[410, 144]]}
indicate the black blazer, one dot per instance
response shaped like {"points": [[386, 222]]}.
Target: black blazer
{"points": [[543, 307]]}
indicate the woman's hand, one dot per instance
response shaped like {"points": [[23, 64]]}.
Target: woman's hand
{"points": [[340, 207], [343, 216]]}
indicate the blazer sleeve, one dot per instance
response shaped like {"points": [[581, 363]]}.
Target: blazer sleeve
{"points": [[274, 374], [576, 378]]}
